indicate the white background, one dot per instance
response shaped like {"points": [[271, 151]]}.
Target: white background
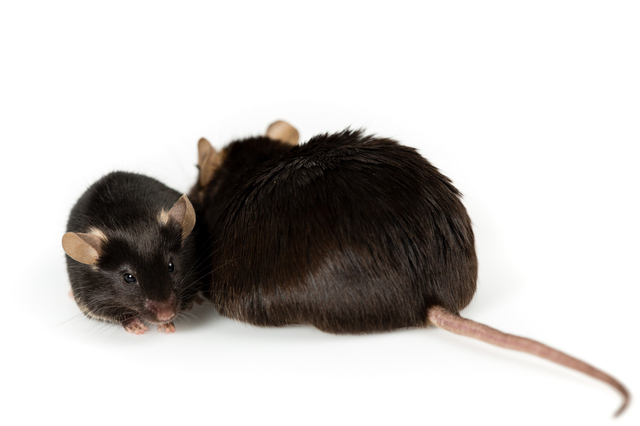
{"points": [[532, 108]]}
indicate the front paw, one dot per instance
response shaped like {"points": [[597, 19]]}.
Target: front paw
{"points": [[134, 325], [167, 328]]}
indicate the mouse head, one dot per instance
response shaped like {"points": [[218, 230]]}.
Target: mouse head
{"points": [[210, 160], [140, 269]]}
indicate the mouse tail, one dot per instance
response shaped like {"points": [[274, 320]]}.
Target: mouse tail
{"points": [[447, 320]]}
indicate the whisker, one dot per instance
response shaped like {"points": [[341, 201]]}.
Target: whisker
{"points": [[76, 316]]}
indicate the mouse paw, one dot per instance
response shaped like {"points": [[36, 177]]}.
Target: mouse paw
{"points": [[167, 328], [134, 325]]}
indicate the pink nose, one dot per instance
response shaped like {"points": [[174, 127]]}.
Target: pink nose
{"points": [[163, 311]]}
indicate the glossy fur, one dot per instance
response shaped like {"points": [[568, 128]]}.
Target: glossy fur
{"points": [[348, 233], [126, 208]]}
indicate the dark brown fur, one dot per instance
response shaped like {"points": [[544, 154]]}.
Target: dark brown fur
{"points": [[348, 233], [126, 209]]}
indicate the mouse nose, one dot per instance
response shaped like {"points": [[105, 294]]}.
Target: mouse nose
{"points": [[163, 311]]}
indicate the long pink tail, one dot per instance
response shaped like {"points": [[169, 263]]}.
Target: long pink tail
{"points": [[442, 318]]}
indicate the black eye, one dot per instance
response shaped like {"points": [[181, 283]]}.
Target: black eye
{"points": [[130, 278], [171, 267]]}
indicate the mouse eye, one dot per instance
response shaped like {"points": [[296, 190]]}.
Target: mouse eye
{"points": [[130, 278], [171, 267]]}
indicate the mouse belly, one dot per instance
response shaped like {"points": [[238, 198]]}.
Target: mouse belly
{"points": [[340, 312], [348, 293]]}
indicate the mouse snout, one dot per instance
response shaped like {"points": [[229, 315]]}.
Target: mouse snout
{"points": [[164, 311]]}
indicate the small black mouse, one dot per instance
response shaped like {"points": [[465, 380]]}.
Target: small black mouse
{"points": [[131, 252], [348, 233]]}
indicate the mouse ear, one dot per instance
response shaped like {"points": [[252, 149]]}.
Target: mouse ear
{"points": [[184, 214], [283, 131], [208, 161], [84, 248]]}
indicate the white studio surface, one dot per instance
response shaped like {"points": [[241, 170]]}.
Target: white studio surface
{"points": [[533, 110]]}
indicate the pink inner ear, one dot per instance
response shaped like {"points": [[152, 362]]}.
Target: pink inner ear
{"points": [[177, 211], [183, 213], [84, 248], [283, 131], [204, 151]]}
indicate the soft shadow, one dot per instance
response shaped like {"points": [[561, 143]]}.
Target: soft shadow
{"points": [[198, 317]]}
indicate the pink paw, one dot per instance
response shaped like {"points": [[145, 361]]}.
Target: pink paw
{"points": [[134, 325], [167, 328]]}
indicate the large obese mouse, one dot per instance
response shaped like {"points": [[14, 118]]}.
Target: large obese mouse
{"points": [[132, 253], [348, 233]]}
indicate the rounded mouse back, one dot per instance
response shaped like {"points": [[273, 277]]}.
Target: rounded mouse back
{"points": [[348, 233]]}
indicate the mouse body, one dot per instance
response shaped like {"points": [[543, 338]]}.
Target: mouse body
{"points": [[131, 252], [348, 233]]}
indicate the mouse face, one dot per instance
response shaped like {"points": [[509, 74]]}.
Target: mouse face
{"points": [[135, 276], [131, 254]]}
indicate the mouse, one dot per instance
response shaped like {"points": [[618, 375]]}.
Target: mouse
{"points": [[130, 247], [349, 233]]}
